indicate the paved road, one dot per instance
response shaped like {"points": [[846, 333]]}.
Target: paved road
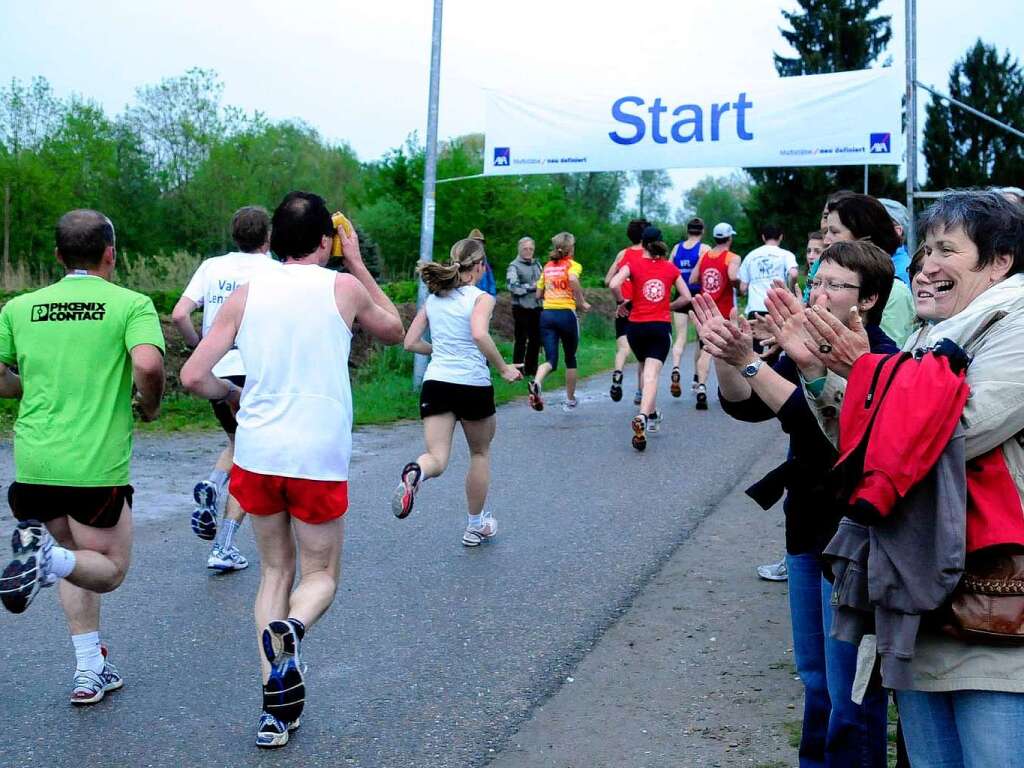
{"points": [[433, 653]]}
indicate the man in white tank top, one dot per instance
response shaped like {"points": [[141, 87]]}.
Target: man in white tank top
{"points": [[209, 288], [292, 326]]}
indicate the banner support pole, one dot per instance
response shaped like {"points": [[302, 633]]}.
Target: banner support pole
{"points": [[419, 367], [910, 14]]}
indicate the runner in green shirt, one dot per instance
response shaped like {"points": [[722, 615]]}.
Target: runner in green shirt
{"points": [[78, 345]]}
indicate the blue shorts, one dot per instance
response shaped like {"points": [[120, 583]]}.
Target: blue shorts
{"points": [[559, 325]]}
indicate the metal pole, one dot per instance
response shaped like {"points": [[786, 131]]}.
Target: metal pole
{"points": [[911, 46], [865, 179], [972, 110], [429, 176]]}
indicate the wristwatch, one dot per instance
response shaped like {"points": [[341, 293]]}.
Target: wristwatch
{"points": [[750, 370]]}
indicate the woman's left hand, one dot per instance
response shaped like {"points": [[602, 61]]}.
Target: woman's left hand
{"points": [[730, 341], [835, 345], [511, 373]]}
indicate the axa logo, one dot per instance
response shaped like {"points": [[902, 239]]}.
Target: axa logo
{"points": [[881, 143], [60, 311], [502, 156]]}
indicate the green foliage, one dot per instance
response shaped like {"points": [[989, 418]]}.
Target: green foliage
{"points": [[718, 199], [651, 187], [828, 36], [962, 150]]}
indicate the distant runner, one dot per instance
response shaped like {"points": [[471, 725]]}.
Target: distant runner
{"points": [[79, 346], [685, 255], [208, 289], [634, 231], [559, 287], [650, 325], [457, 383], [716, 273]]}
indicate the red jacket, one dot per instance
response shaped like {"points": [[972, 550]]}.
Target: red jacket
{"points": [[898, 415]]}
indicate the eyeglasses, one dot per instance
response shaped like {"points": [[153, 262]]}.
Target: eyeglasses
{"points": [[832, 286]]}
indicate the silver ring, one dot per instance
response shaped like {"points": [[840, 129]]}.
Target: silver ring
{"points": [[825, 348]]}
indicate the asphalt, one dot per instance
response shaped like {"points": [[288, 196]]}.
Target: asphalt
{"points": [[433, 654]]}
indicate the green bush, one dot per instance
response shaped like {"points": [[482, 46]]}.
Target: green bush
{"points": [[401, 291]]}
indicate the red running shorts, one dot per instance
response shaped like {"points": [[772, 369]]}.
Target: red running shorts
{"points": [[311, 501]]}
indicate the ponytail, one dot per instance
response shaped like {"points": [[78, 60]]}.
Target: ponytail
{"points": [[442, 278], [562, 246]]}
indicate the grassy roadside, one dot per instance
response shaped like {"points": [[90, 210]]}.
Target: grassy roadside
{"points": [[382, 388]]}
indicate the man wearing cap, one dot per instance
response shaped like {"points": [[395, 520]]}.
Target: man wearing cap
{"points": [[685, 255], [901, 220], [716, 273]]}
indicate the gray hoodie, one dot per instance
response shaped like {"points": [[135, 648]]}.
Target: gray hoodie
{"points": [[522, 279]]}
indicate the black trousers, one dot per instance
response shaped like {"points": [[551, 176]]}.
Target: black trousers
{"points": [[527, 338]]}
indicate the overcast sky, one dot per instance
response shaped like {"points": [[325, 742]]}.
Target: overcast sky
{"points": [[358, 71]]}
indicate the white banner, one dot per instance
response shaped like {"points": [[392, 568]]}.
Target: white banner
{"points": [[849, 118]]}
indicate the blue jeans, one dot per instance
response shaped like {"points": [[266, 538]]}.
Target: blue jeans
{"points": [[836, 732], [963, 729]]}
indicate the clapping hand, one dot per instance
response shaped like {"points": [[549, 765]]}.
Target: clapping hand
{"points": [[730, 341], [835, 345]]}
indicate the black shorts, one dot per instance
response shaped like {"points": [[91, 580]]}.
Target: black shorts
{"points": [[650, 340], [223, 411], [468, 403], [621, 326], [98, 507]]}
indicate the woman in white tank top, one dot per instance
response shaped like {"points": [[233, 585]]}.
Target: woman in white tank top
{"points": [[457, 384]]}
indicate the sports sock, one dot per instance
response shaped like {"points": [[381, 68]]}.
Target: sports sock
{"points": [[220, 479], [88, 656], [300, 628], [62, 562], [226, 534], [695, 377], [475, 521]]}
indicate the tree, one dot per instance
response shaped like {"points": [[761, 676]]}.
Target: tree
{"points": [[962, 150], [718, 199], [650, 193], [827, 36]]}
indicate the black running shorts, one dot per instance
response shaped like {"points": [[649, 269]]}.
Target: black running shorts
{"points": [[223, 411], [468, 403], [98, 507], [650, 340], [621, 326]]}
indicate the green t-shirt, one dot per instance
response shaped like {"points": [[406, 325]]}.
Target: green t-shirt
{"points": [[71, 342]]}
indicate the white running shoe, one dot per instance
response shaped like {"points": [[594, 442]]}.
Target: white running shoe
{"points": [[654, 423], [774, 571], [89, 688], [474, 535], [29, 569], [570, 404], [226, 559]]}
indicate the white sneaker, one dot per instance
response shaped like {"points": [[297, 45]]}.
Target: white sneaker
{"points": [[226, 559], [654, 422], [569, 404], [774, 571], [474, 535]]}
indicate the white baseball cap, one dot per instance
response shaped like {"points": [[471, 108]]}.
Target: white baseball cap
{"points": [[723, 230]]}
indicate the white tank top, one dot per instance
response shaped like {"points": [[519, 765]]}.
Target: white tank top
{"points": [[456, 357], [295, 418]]}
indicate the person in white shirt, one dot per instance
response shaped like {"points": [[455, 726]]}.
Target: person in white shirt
{"points": [[208, 289], [763, 266], [457, 383], [292, 325]]}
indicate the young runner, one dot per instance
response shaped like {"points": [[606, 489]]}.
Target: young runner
{"points": [[208, 289], [292, 325], [685, 255], [634, 231], [457, 383], [559, 287], [650, 325], [79, 345], [716, 272]]}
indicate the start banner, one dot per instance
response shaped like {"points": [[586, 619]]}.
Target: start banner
{"points": [[848, 118]]}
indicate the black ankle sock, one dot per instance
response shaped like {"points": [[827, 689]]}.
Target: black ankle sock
{"points": [[300, 628], [695, 377]]}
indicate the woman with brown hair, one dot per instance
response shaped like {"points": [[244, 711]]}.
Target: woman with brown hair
{"points": [[457, 384]]}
